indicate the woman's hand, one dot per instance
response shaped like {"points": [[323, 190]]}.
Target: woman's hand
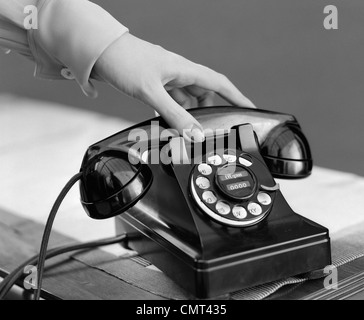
{"points": [[165, 81]]}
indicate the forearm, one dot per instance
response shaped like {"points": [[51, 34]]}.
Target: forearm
{"points": [[76, 38]]}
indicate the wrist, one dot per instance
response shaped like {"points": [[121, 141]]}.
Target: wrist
{"points": [[105, 62]]}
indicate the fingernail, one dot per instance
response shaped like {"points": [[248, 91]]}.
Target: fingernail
{"points": [[195, 134]]}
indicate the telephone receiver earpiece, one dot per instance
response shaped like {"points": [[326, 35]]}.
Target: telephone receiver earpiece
{"points": [[111, 184], [287, 153]]}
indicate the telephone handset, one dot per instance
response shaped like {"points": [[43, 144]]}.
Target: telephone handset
{"points": [[210, 215]]}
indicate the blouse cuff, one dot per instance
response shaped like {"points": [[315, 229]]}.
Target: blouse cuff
{"points": [[73, 33]]}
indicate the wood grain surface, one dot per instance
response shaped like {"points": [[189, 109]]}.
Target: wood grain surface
{"points": [[72, 280], [65, 278]]}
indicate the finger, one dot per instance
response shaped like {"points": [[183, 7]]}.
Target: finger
{"points": [[204, 97], [182, 97], [175, 115], [210, 80]]}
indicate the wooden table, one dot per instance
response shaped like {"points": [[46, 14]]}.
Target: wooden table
{"points": [[65, 278], [69, 279]]}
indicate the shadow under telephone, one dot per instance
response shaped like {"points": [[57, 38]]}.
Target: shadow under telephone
{"points": [[218, 222]]}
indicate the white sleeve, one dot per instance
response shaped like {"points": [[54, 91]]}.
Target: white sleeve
{"points": [[70, 36]]}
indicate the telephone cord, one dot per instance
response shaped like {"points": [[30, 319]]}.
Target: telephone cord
{"points": [[12, 278]]}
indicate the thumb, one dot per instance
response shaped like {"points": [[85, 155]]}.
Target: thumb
{"points": [[175, 115]]}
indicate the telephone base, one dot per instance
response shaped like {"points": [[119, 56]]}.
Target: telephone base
{"points": [[216, 277], [218, 223]]}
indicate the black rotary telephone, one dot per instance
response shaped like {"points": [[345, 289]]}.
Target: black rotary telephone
{"points": [[210, 215]]}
